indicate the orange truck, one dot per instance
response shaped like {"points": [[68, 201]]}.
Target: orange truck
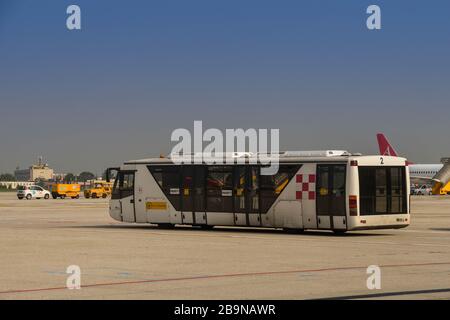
{"points": [[61, 190]]}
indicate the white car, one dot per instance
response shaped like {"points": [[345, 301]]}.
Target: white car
{"points": [[33, 192]]}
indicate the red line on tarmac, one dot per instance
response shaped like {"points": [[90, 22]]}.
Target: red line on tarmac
{"points": [[230, 275]]}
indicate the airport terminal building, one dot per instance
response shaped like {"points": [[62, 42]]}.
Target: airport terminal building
{"points": [[40, 171]]}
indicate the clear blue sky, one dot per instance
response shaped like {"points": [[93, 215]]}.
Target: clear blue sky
{"points": [[139, 69]]}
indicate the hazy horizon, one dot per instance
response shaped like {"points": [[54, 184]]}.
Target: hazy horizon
{"points": [[115, 90]]}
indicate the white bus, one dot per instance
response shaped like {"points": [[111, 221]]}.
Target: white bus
{"points": [[328, 190]]}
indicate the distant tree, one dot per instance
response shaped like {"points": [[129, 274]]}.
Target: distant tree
{"points": [[70, 177], [7, 177], [85, 176]]}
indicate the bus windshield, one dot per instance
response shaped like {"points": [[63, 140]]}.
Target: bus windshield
{"points": [[382, 190]]}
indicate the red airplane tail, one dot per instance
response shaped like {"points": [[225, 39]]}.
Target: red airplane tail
{"points": [[385, 147]]}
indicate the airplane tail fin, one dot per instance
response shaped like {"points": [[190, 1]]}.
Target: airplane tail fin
{"points": [[385, 147]]}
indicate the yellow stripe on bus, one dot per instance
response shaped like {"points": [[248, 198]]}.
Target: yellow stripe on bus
{"points": [[156, 205]]}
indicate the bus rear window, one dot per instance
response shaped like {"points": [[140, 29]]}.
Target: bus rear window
{"points": [[382, 190]]}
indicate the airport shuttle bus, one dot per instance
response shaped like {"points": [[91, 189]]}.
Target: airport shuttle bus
{"points": [[328, 190]]}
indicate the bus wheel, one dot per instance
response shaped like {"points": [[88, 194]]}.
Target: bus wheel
{"points": [[54, 197], [166, 225], [339, 232], [294, 231]]}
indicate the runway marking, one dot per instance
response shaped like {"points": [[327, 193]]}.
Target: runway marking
{"points": [[230, 275]]}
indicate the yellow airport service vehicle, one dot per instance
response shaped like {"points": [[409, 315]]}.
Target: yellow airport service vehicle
{"points": [[100, 189], [61, 190], [438, 189]]}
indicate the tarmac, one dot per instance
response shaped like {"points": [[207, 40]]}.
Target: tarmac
{"points": [[40, 239]]}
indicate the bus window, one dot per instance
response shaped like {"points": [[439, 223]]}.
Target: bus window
{"points": [[272, 186], [338, 191], [219, 189], [322, 189], [331, 190], [199, 188], [382, 190], [253, 193], [239, 189], [187, 189], [398, 190], [168, 179], [124, 185]]}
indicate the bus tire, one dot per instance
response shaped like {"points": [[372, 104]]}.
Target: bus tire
{"points": [[293, 231], [166, 225], [54, 197]]}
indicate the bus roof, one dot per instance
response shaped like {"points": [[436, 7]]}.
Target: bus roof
{"points": [[248, 158]]}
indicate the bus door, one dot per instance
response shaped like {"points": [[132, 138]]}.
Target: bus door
{"points": [[199, 195], [123, 195], [330, 197], [240, 191], [187, 195], [246, 196], [193, 195], [252, 197]]}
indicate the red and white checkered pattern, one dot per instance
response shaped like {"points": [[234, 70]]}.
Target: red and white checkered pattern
{"points": [[306, 186]]}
